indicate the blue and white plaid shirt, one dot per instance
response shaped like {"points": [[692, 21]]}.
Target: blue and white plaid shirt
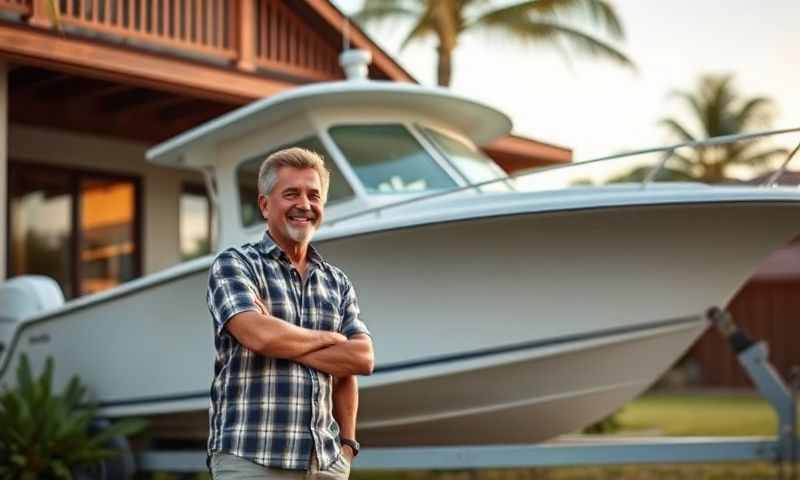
{"points": [[275, 412]]}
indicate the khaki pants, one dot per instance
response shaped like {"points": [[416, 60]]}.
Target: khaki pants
{"points": [[230, 467]]}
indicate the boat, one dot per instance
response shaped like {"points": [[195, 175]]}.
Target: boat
{"points": [[503, 309]]}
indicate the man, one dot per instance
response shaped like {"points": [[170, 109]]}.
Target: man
{"points": [[288, 340]]}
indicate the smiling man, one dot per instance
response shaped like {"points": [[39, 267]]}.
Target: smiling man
{"points": [[288, 339]]}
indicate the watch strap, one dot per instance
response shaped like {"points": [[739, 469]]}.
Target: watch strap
{"points": [[352, 444]]}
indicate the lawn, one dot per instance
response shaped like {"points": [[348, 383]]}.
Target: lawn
{"points": [[678, 415]]}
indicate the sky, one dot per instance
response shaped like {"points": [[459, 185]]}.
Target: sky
{"points": [[597, 108]]}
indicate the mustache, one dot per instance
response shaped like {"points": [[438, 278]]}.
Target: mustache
{"points": [[297, 212]]}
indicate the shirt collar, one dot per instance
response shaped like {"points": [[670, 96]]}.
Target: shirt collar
{"points": [[268, 246]]}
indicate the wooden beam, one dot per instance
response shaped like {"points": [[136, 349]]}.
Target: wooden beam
{"points": [[154, 106], [30, 78], [134, 67], [200, 116], [132, 97], [187, 109], [78, 116], [110, 90], [66, 85]]}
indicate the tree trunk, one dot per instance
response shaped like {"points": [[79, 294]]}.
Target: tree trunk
{"points": [[445, 66]]}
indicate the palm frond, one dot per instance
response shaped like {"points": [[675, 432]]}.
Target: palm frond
{"points": [[547, 32], [694, 104], [599, 13], [665, 174], [755, 112], [681, 132], [379, 10], [685, 163], [759, 159], [424, 26]]}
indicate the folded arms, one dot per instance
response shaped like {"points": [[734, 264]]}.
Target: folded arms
{"points": [[329, 352]]}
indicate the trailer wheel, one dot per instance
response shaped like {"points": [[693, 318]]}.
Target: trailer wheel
{"points": [[120, 467]]}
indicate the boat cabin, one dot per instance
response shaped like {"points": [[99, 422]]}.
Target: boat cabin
{"points": [[383, 142]]}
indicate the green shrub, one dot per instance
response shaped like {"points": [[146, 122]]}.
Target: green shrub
{"points": [[44, 435]]}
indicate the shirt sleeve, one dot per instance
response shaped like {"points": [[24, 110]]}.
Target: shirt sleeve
{"points": [[231, 288], [351, 314]]}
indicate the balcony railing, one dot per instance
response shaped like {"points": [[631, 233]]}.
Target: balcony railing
{"points": [[282, 41], [21, 6], [247, 33]]}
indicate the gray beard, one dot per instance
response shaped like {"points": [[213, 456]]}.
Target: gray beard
{"points": [[301, 236]]}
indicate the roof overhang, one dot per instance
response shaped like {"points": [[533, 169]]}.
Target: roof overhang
{"points": [[480, 122]]}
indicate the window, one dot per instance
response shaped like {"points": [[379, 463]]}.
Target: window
{"points": [[80, 228], [195, 216], [247, 176], [41, 227], [388, 159], [475, 166]]}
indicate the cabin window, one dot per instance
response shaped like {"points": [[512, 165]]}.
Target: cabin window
{"points": [[80, 228], [247, 177], [388, 159], [196, 218], [469, 161]]}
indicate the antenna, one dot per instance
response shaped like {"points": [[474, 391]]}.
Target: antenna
{"points": [[354, 62], [346, 34]]}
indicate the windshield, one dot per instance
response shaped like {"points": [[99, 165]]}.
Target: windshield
{"points": [[473, 165], [389, 160]]}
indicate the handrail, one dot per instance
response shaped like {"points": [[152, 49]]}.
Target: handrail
{"points": [[775, 176], [721, 140], [651, 175]]}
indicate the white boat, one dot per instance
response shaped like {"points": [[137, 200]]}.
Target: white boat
{"points": [[500, 313]]}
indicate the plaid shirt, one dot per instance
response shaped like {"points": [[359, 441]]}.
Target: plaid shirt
{"points": [[272, 411]]}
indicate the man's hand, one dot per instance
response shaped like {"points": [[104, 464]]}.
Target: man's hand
{"points": [[261, 307], [348, 453], [353, 357]]}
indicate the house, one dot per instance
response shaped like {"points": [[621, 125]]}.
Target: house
{"points": [[81, 103]]}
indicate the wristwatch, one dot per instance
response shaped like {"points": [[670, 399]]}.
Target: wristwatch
{"points": [[352, 444]]}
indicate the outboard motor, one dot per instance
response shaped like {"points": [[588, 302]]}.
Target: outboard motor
{"points": [[22, 298]]}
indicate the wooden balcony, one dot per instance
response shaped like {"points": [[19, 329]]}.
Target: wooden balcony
{"points": [[145, 70], [247, 34]]}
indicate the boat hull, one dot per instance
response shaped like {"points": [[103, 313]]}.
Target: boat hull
{"points": [[502, 329]]}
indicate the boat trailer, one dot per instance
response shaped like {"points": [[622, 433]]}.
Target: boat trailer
{"points": [[783, 449]]}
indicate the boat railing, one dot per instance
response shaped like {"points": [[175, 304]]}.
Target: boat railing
{"points": [[649, 175]]}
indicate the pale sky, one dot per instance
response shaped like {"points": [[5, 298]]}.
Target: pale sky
{"points": [[596, 108]]}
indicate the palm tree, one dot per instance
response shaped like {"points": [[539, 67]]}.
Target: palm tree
{"points": [[542, 22], [718, 109]]}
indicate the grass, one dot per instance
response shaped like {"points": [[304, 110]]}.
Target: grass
{"points": [[700, 415]]}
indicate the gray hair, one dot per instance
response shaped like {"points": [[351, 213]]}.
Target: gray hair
{"points": [[294, 157]]}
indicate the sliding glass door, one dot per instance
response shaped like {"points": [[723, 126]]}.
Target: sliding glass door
{"points": [[79, 227]]}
